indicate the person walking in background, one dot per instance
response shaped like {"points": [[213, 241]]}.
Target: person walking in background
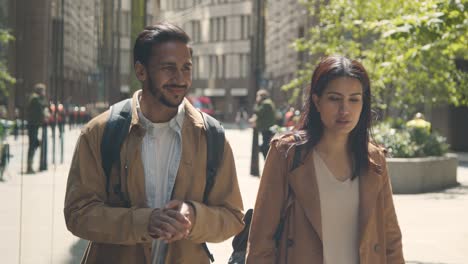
{"points": [[241, 118], [264, 117], [157, 213], [325, 194], [35, 118]]}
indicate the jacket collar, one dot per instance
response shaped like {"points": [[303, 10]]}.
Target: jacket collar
{"points": [[190, 133], [370, 185], [192, 115], [303, 182]]}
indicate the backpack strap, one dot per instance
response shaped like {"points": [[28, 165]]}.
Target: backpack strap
{"points": [[116, 130], [214, 147]]}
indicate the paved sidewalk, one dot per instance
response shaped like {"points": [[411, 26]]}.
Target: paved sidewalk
{"points": [[434, 225]]}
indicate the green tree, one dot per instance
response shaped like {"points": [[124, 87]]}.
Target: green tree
{"points": [[408, 47], [5, 77]]}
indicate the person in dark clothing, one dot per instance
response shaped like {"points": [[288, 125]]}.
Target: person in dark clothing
{"points": [[35, 118], [264, 118]]}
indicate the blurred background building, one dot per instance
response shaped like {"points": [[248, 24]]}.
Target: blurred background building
{"points": [[285, 22], [82, 51], [221, 32]]}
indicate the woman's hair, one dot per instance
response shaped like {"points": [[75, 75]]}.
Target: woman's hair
{"points": [[310, 124]]}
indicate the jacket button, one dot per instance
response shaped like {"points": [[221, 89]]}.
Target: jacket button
{"points": [[290, 242], [377, 248]]}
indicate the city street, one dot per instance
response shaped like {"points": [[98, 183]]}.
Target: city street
{"points": [[32, 228]]}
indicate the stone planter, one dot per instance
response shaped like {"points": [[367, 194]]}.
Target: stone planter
{"points": [[418, 175]]}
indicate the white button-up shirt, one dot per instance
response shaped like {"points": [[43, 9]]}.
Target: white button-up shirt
{"points": [[161, 153]]}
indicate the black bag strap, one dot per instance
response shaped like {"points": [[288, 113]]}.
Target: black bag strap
{"points": [[116, 130], [214, 147]]}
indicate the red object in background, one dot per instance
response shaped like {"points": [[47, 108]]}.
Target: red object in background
{"points": [[203, 103]]}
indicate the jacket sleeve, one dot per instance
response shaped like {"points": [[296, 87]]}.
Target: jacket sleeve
{"points": [[394, 248], [86, 213], [222, 218], [267, 213]]}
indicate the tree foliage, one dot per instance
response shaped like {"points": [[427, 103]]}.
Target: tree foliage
{"points": [[408, 47], [5, 77]]}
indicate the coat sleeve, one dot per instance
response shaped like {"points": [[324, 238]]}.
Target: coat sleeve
{"points": [[394, 248], [267, 213], [222, 217], [86, 213]]}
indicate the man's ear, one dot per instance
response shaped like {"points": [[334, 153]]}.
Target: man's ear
{"points": [[140, 71], [315, 101]]}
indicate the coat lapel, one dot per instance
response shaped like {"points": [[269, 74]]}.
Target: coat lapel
{"points": [[303, 183], [132, 158], [369, 188]]}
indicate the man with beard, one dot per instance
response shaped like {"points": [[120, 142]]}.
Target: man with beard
{"points": [[159, 215]]}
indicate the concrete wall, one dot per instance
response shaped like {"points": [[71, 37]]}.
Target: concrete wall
{"points": [[418, 175]]}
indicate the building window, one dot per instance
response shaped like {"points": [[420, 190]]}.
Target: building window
{"points": [[244, 62], [218, 28], [213, 66], [124, 60], [196, 68], [125, 23], [245, 27], [196, 31], [217, 66], [221, 67], [170, 4]]}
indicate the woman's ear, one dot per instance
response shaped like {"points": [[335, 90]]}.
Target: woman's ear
{"points": [[140, 71], [316, 102]]}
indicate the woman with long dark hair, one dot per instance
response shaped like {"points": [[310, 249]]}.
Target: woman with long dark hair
{"points": [[325, 194]]}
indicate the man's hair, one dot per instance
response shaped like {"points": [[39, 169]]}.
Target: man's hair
{"points": [[39, 87], [152, 35], [263, 93]]}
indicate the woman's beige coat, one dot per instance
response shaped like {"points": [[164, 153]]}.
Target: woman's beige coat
{"points": [[301, 240]]}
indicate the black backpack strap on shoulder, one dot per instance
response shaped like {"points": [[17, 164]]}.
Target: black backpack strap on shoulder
{"points": [[116, 130], [214, 148]]}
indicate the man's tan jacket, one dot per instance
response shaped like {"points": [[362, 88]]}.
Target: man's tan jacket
{"points": [[118, 226]]}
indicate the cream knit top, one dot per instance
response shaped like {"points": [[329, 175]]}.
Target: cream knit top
{"points": [[339, 203]]}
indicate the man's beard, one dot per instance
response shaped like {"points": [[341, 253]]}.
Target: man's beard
{"points": [[160, 96]]}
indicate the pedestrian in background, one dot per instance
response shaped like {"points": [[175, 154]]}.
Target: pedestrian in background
{"points": [[157, 215], [36, 118], [264, 118], [336, 206], [241, 118]]}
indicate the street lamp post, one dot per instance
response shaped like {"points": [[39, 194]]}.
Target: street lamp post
{"points": [[256, 70]]}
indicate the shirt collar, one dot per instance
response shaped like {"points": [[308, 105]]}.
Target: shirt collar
{"points": [[175, 123]]}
